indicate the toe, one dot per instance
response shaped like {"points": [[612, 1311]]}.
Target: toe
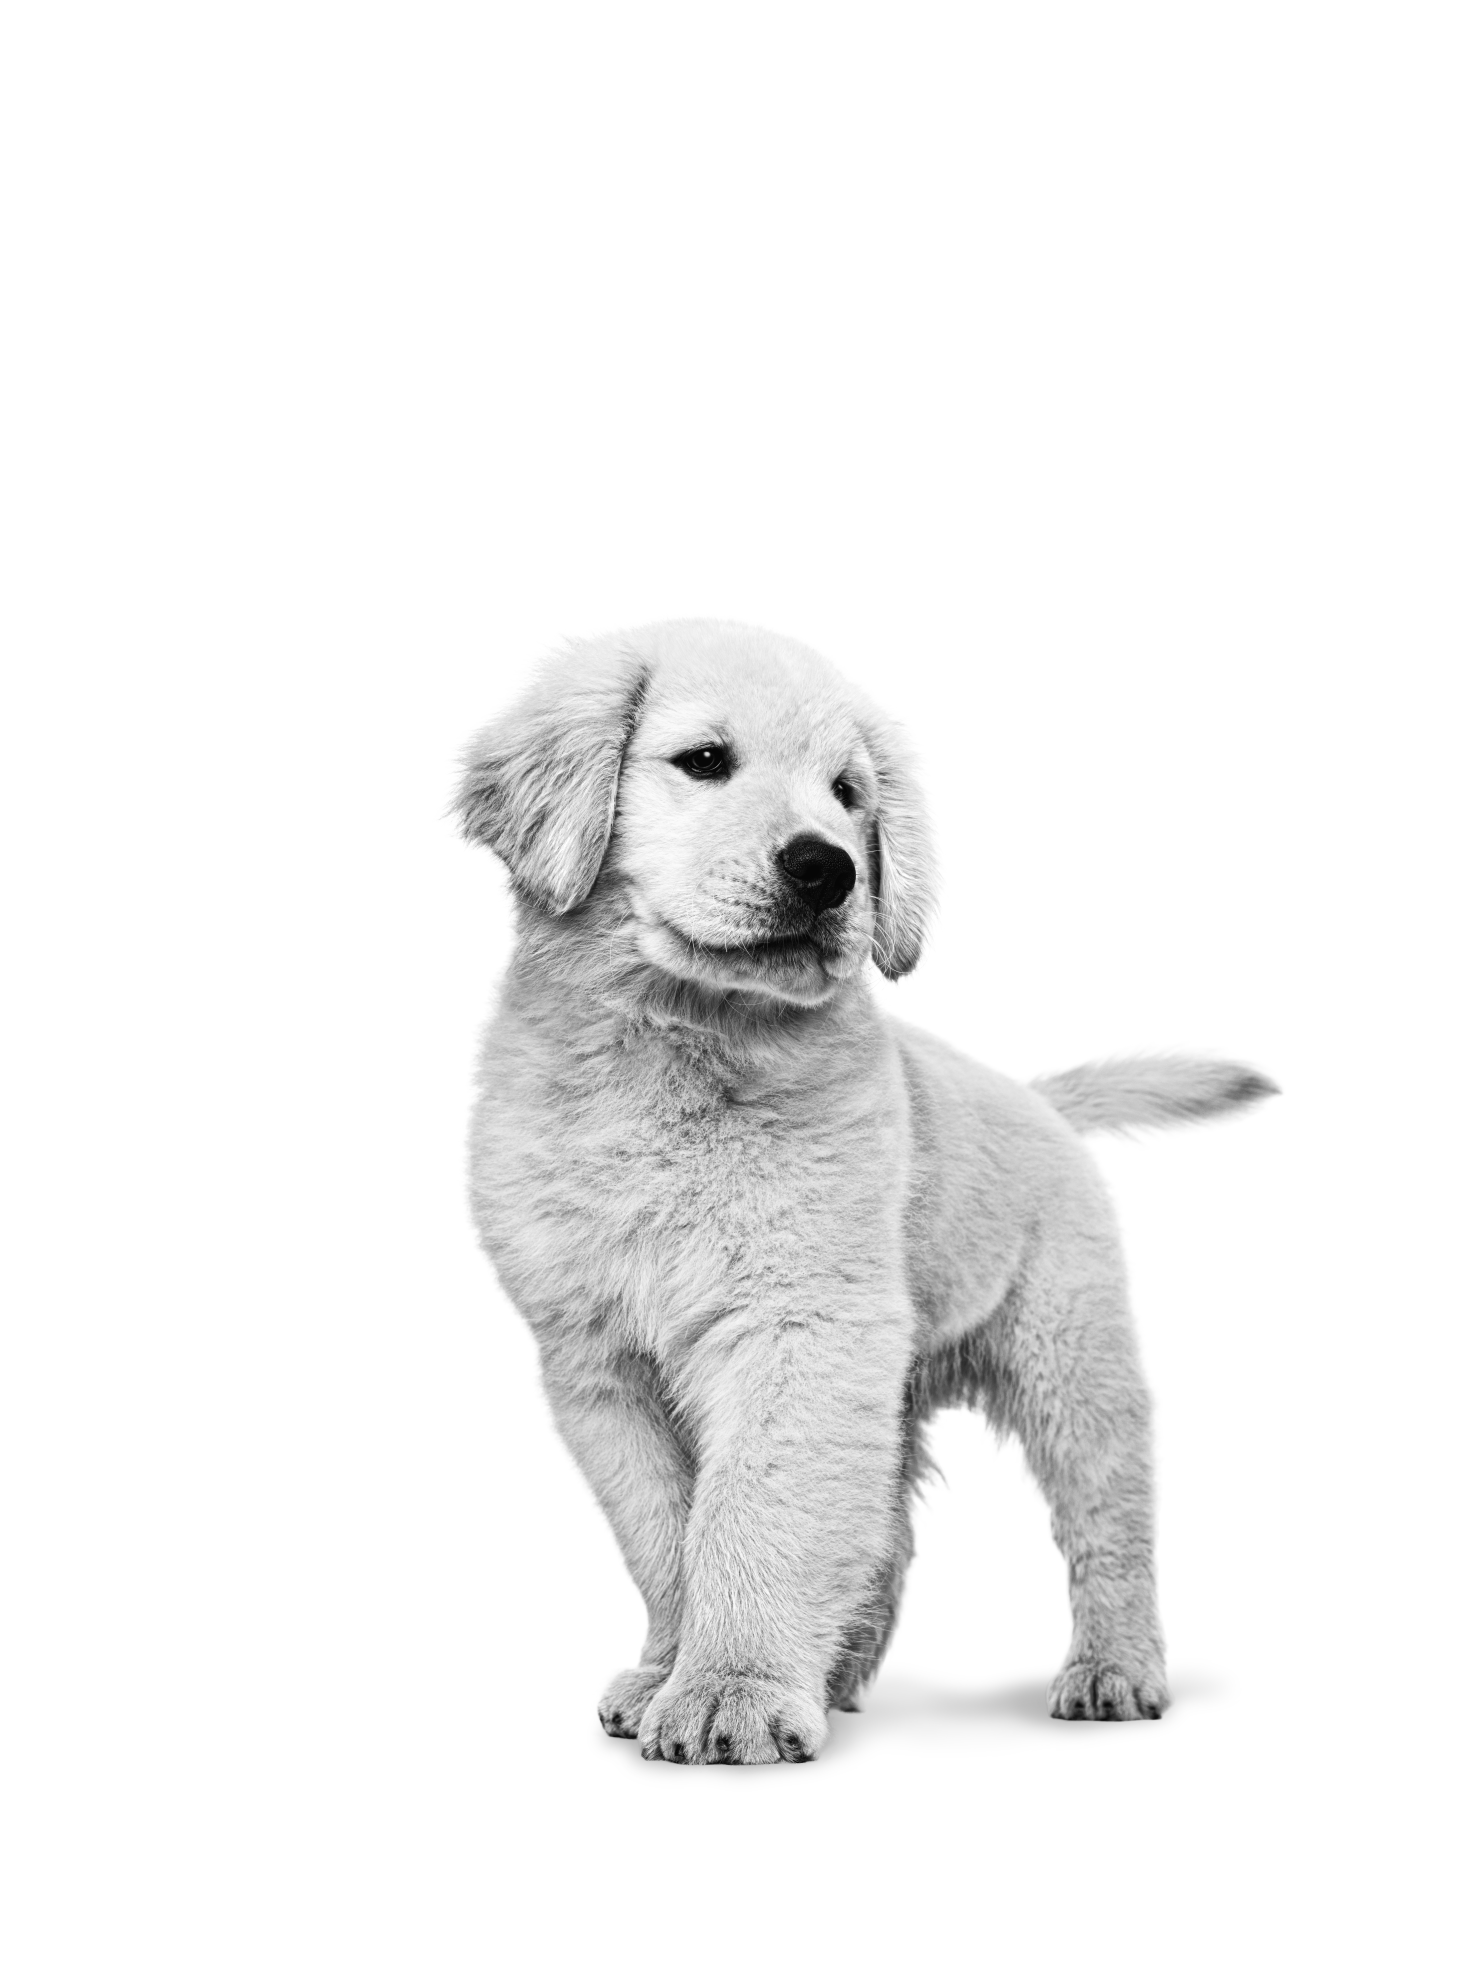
{"points": [[792, 1745], [622, 1706], [1112, 1696]]}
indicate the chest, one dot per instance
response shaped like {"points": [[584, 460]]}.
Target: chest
{"points": [[644, 1185]]}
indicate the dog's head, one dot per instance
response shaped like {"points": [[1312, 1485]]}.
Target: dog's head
{"points": [[756, 819]]}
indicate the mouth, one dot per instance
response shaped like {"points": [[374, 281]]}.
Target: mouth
{"points": [[761, 948], [799, 968], [780, 947]]}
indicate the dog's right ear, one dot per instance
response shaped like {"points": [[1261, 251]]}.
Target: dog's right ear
{"points": [[541, 783]]}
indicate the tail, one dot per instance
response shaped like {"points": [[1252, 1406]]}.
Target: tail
{"points": [[1128, 1093]]}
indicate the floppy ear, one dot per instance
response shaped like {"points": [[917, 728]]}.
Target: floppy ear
{"points": [[903, 871], [541, 782]]}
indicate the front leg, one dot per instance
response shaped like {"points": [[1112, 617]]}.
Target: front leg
{"points": [[613, 1413], [795, 1523]]}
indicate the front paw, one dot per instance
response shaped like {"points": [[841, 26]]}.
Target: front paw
{"points": [[1097, 1688], [626, 1699], [725, 1718]]}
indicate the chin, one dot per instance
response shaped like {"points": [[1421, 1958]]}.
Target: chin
{"points": [[788, 969]]}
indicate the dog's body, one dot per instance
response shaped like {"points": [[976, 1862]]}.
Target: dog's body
{"points": [[762, 1231]]}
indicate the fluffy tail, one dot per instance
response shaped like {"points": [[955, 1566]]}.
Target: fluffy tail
{"points": [[1128, 1093]]}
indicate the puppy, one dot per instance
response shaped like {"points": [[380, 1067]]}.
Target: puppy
{"points": [[761, 1230]]}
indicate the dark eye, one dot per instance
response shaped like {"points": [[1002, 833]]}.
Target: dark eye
{"points": [[710, 761], [844, 790]]}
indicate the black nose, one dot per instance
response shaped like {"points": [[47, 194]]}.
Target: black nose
{"points": [[821, 874]]}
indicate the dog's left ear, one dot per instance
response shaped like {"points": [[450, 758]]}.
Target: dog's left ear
{"points": [[541, 783], [903, 870]]}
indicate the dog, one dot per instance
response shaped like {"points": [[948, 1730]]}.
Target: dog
{"points": [[761, 1230]]}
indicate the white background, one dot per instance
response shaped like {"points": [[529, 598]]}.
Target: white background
{"points": [[1099, 386]]}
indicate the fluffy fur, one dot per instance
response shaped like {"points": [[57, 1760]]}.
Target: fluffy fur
{"points": [[761, 1230]]}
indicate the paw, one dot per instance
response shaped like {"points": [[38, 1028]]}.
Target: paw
{"points": [[722, 1718], [1090, 1688], [626, 1699]]}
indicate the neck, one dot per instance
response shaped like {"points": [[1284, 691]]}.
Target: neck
{"points": [[581, 974]]}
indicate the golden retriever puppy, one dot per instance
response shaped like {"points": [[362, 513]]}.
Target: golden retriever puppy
{"points": [[761, 1230]]}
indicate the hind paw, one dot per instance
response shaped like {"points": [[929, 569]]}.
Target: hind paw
{"points": [[1093, 1689]]}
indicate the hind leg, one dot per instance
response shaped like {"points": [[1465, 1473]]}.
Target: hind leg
{"points": [[1075, 1395]]}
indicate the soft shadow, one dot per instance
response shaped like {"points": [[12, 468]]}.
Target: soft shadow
{"points": [[905, 1698], [908, 1698]]}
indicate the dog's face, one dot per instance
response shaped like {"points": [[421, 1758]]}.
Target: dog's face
{"points": [[754, 815], [742, 826]]}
